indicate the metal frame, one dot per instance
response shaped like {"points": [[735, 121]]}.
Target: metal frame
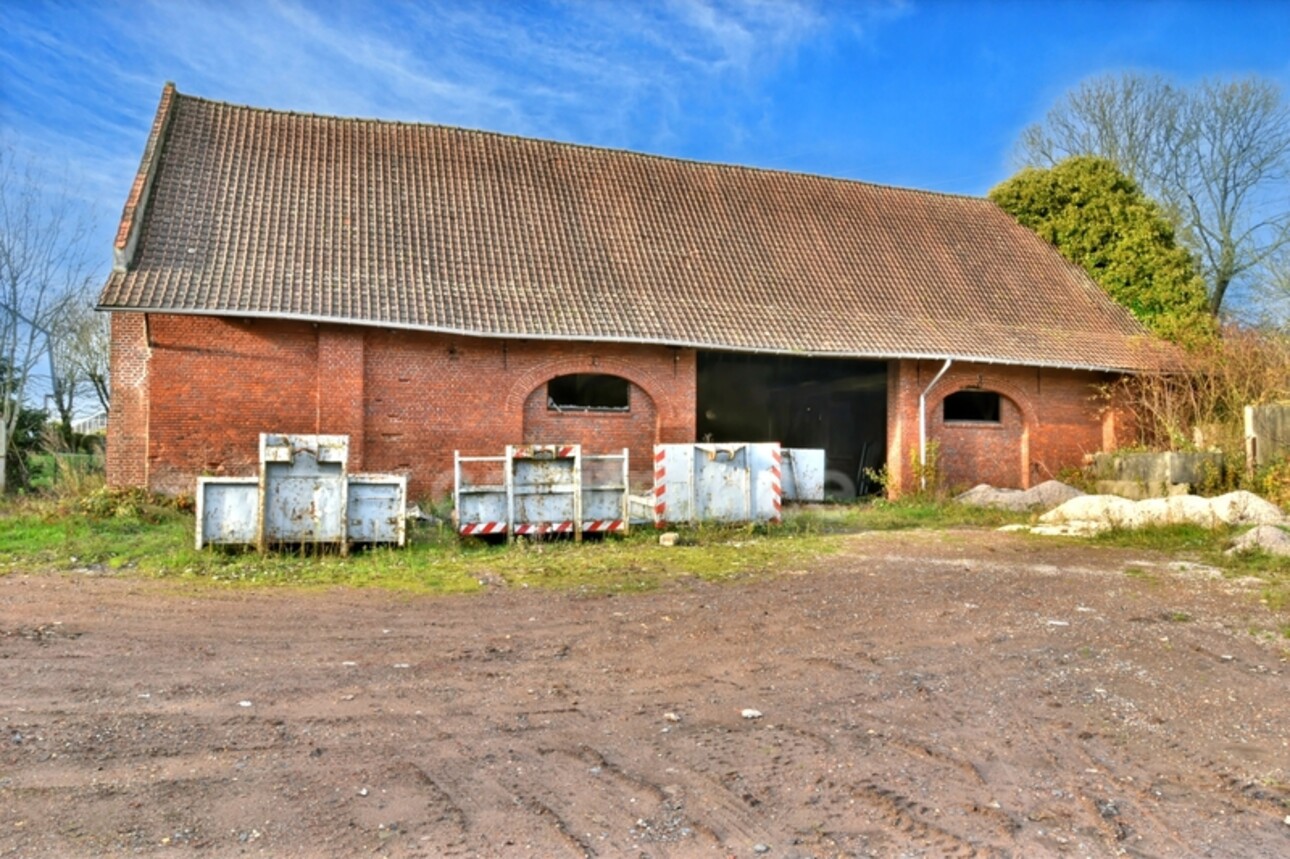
{"points": [[543, 490]]}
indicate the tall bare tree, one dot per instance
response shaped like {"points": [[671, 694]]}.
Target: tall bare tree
{"points": [[43, 262], [1216, 156], [81, 343]]}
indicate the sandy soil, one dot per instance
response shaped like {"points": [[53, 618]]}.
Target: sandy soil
{"points": [[957, 694]]}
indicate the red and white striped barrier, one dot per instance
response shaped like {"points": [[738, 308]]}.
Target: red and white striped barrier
{"points": [[660, 487], [482, 529], [526, 528], [777, 484]]}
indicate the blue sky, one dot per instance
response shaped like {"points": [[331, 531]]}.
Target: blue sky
{"points": [[921, 94]]}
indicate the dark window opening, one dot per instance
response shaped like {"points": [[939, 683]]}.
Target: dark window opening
{"points": [[836, 404], [588, 392], [975, 406]]}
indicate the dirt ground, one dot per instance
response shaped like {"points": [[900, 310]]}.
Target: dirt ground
{"points": [[952, 694]]}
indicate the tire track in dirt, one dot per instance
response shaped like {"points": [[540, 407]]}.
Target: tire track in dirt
{"points": [[1144, 789], [906, 820], [667, 822], [558, 824], [446, 821]]}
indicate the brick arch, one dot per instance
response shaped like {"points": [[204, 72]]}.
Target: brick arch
{"points": [[955, 382], [539, 374], [963, 381]]}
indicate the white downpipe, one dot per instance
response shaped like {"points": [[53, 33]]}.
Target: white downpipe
{"points": [[922, 425]]}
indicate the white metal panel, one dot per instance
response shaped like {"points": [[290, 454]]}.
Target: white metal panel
{"points": [[377, 508], [729, 482], [303, 490], [227, 511], [803, 473], [543, 483], [479, 494], [604, 492], [766, 469], [674, 483]]}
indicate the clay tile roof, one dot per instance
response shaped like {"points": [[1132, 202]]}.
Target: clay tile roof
{"points": [[255, 212]]}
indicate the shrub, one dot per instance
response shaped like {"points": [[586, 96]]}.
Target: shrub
{"points": [[1201, 402]]}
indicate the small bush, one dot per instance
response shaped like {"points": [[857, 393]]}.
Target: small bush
{"points": [[926, 481], [107, 502], [1272, 481]]}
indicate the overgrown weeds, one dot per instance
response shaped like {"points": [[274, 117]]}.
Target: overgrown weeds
{"points": [[1201, 402]]}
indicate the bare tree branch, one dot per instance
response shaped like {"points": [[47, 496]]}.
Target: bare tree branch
{"points": [[1217, 157], [43, 262]]}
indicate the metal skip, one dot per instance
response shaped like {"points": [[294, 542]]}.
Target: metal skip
{"points": [[733, 482], [304, 495], [540, 489]]}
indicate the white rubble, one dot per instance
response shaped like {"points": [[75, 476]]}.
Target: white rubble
{"points": [[1269, 538], [1246, 508], [1092, 513], [1044, 496]]}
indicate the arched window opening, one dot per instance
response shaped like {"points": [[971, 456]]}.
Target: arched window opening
{"points": [[972, 407], [588, 392]]}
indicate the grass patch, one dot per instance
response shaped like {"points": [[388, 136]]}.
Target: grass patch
{"points": [[1209, 546], [1167, 538], [128, 531], [114, 530], [1274, 570], [904, 514], [1147, 577], [117, 530]]}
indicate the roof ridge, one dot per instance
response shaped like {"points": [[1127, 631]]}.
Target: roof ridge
{"points": [[612, 150]]}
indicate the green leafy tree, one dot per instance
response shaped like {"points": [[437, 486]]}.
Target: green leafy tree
{"points": [[1099, 219]]}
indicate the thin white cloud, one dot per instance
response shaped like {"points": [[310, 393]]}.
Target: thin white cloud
{"points": [[86, 76]]}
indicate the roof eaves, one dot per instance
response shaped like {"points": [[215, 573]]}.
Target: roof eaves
{"points": [[1000, 360]]}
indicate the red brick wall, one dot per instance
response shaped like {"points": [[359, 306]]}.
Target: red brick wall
{"points": [[602, 432], [1049, 419], [215, 385], [406, 399], [428, 395], [127, 449], [191, 395]]}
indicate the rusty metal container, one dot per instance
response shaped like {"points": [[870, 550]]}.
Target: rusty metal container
{"points": [[540, 489], [304, 495]]}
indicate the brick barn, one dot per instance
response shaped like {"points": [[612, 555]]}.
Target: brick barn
{"points": [[426, 289]]}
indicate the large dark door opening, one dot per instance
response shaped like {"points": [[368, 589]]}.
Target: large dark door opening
{"points": [[836, 404]]}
